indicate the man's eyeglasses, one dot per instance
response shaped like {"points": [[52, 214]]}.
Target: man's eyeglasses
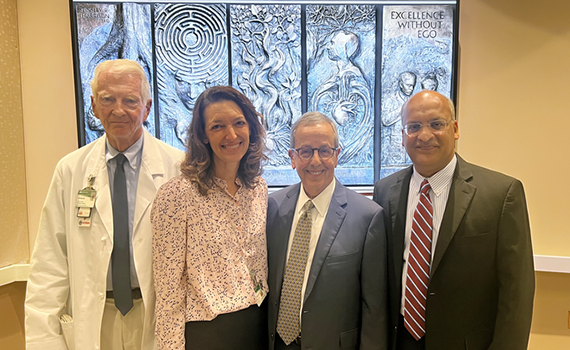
{"points": [[306, 153], [434, 126]]}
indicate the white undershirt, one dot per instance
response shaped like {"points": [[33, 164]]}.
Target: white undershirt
{"points": [[440, 184]]}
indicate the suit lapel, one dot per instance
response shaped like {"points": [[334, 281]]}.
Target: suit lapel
{"points": [[333, 221], [398, 210], [460, 195], [286, 213]]}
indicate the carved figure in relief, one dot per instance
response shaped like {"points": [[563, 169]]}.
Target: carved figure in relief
{"points": [[394, 153], [266, 42], [430, 82], [345, 96]]}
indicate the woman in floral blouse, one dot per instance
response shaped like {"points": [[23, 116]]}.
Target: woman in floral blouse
{"points": [[209, 249]]}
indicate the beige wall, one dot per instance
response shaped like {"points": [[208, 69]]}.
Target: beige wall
{"points": [[13, 215], [12, 320], [48, 93], [513, 99]]}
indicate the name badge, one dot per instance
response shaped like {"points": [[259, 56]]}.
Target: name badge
{"points": [[86, 198], [260, 293]]}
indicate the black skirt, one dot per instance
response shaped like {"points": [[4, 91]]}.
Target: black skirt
{"points": [[241, 330]]}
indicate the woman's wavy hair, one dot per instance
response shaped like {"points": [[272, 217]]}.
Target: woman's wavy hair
{"points": [[198, 165]]}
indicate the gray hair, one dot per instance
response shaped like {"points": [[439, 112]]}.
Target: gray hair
{"points": [[313, 118], [121, 66]]}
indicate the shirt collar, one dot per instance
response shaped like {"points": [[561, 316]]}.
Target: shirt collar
{"points": [[223, 184], [321, 202], [438, 181], [133, 153]]}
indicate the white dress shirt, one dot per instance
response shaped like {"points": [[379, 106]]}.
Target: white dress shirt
{"points": [[440, 184]]}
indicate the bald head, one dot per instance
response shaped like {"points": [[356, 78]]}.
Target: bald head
{"points": [[427, 95]]}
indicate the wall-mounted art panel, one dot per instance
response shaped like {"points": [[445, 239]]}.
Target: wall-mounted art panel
{"points": [[417, 54], [266, 67], [191, 55], [356, 63], [106, 32], [341, 55]]}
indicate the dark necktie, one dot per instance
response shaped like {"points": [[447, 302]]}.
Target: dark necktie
{"points": [[121, 248], [417, 279], [288, 322]]}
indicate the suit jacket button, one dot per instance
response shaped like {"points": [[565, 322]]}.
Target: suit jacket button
{"points": [[431, 294], [272, 336]]}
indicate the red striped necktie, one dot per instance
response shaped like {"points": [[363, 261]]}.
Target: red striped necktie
{"points": [[417, 279]]}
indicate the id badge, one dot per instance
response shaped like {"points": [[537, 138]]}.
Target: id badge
{"points": [[260, 293], [86, 198], [83, 212], [84, 222]]}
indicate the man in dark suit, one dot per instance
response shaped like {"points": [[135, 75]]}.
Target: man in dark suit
{"points": [[474, 287], [327, 253]]}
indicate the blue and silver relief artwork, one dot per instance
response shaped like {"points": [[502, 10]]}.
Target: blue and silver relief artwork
{"points": [[416, 55], [259, 50], [107, 32], [341, 46], [266, 67], [191, 56]]}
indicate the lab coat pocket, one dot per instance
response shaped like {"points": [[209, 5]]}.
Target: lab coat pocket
{"points": [[66, 322]]}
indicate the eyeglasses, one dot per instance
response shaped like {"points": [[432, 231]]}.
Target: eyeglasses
{"points": [[306, 153], [434, 126]]}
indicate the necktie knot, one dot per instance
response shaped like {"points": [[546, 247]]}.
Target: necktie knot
{"points": [[307, 206], [120, 159], [425, 187]]}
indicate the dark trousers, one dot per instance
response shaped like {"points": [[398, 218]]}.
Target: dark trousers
{"points": [[279, 344], [405, 341], [241, 330]]}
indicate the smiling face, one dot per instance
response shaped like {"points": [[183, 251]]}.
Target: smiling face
{"points": [[119, 106], [429, 151], [316, 173], [227, 132]]}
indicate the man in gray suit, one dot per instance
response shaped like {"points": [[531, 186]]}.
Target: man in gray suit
{"points": [[327, 253], [460, 259]]}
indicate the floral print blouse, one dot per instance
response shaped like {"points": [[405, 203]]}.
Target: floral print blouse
{"points": [[207, 252]]}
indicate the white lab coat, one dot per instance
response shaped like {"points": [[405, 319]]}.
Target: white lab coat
{"points": [[69, 265]]}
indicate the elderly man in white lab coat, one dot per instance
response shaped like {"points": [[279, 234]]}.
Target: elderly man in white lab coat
{"points": [[92, 258]]}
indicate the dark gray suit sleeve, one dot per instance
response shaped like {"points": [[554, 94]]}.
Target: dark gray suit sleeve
{"points": [[515, 271], [374, 330]]}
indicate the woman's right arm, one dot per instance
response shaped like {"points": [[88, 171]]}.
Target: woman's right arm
{"points": [[169, 226]]}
